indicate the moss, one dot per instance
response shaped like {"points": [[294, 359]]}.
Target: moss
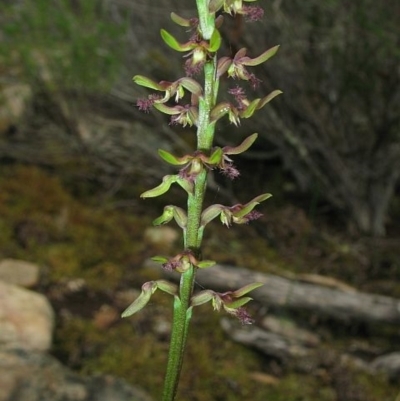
{"points": [[43, 223]]}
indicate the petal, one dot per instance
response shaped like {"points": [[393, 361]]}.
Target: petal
{"points": [[229, 150], [223, 65], [166, 217], [268, 98], [220, 110], [249, 110], [248, 207], [174, 44], [159, 259], [262, 58], [210, 214], [167, 109], [202, 297], [171, 159], [191, 85], [247, 288], [167, 287], [147, 82], [180, 20], [215, 41], [215, 5], [142, 300], [167, 181], [216, 157], [180, 217], [204, 264], [238, 303]]}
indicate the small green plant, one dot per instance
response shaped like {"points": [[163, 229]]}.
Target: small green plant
{"points": [[72, 44], [191, 104]]}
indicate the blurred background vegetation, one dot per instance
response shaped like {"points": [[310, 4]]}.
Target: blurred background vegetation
{"points": [[75, 154]]}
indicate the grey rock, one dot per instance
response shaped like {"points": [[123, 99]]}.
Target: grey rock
{"points": [[26, 319], [19, 272], [389, 364], [14, 99], [35, 376]]}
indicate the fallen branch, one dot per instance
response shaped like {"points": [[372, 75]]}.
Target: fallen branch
{"points": [[342, 303]]}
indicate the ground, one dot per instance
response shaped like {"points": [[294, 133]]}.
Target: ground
{"points": [[92, 254]]}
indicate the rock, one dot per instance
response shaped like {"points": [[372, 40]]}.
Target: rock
{"points": [[26, 319], [389, 364], [35, 376], [163, 237], [271, 344], [264, 378], [290, 330], [13, 101], [19, 272], [105, 317]]}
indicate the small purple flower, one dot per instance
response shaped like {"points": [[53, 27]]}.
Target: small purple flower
{"points": [[254, 81], [242, 314], [183, 118], [183, 262], [253, 215], [171, 265], [145, 104], [240, 97], [236, 67], [230, 171], [193, 67], [252, 13], [187, 175]]}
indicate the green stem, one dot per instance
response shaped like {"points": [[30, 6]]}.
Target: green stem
{"points": [[193, 238]]}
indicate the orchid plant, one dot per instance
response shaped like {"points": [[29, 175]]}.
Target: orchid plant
{"points": [[190, 103]]}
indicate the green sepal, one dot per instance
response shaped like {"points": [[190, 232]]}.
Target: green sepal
{"points": [[147, 82], [189, 313], [251, 205], [262, 197], [172, 212], [142, 300], [171, 159], [268, 98], [223, 65], [226, 217], [180, 20], [210, 214], [242, 147], [238, 302], [216, 156], [167, 287], [204, 264], [177, 303], [262, 58], [247, 288], [186, 185], [202, 297], [219, 111], [191, 85], [159, 259], [173, 43], [180, 217], [167, 181], [215, 41], [163, 108], [250, 109], [166, 217], [215, 5]]}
